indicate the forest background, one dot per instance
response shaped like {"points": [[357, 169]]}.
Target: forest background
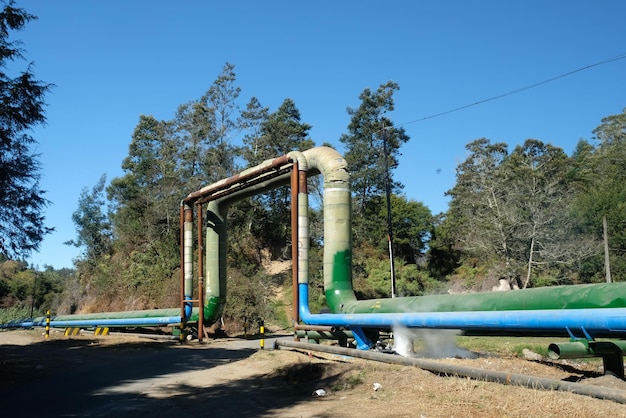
{"points": [[523, 217]]}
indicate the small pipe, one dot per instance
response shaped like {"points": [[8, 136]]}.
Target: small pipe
{"points": [[340, 336], [305, 327], [118, 322], [515, 379], [612, 353], [577, 349]]}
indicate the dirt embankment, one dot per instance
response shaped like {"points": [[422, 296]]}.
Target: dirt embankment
{"points": [[129, 376]]}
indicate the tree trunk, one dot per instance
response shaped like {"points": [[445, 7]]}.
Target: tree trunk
{"points": [[530, 259], [607, 264]]}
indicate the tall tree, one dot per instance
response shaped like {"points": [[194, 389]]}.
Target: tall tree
{"points": [[22, 105], [511, 212], [206, 128], [281, 132], [92, 223], [251, 121], [478, 220], [412, 223], [603, 194], [540, 190], [145, 200], [372, 150]]}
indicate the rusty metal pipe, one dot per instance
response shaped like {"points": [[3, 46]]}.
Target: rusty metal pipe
{"points": [[242, 177], [182, 260]]}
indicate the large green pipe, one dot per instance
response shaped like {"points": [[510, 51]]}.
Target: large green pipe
{"points": [[585, 296], [337, 226]]}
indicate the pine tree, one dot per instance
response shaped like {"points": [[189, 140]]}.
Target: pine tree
{"points": [[21, 108]]}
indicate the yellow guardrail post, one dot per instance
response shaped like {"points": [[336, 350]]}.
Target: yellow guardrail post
{"points": [[48, 324], [262, 331]]}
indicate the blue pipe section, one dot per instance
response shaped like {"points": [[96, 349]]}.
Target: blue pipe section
{"points": [[88, 323], [188, 309], [596, 322]]}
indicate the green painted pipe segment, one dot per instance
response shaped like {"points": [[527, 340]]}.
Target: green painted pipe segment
{"points": [[583, 349], [584, 296], [152, 313], [341, 336], [612, 353]]}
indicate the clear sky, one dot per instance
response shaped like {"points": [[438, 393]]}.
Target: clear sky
{"points": [[113, 60]]}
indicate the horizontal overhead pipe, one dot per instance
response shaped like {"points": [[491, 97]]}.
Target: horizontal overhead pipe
{"points": [[507, 378], [241, 179]]}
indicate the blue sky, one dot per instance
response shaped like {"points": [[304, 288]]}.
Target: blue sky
{"points": [[112, 61]]}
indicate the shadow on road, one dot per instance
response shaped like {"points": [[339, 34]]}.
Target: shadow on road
{"points": [[79, 377]]}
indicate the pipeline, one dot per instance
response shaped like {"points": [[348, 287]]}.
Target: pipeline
{"points": [[141, 318], [531, 382], [592, 310], [597, 310]]}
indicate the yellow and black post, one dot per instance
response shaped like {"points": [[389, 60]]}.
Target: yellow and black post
{"points": [[262, 331], [47, 324]]}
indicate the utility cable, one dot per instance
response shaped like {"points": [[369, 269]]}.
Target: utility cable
{"points": [[519, 90]]}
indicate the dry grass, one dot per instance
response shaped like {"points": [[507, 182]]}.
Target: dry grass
{"points": [[411, 392]]}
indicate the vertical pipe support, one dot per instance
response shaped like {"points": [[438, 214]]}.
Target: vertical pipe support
{"points": [[182, 262], [303, 235], [295, 243], [200, 275], [187, 262]]}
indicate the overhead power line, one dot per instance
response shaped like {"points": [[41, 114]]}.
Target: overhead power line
{"points": [[519, 90]]}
